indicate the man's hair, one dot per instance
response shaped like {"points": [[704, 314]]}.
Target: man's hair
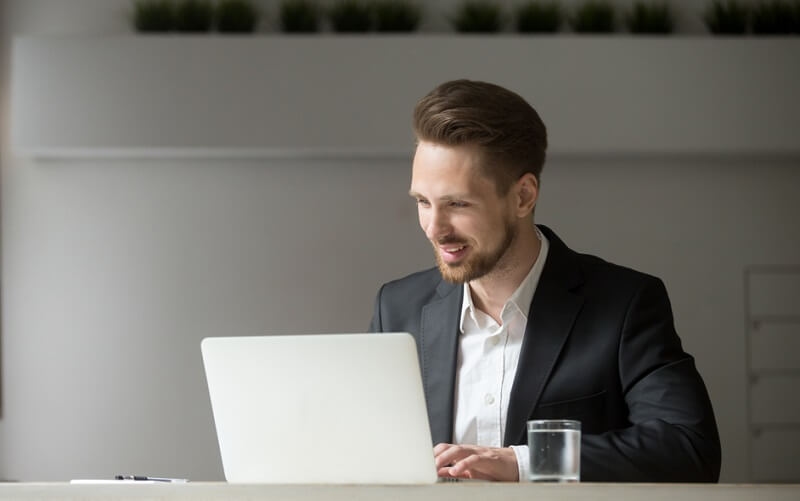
{"points": [[508, 132]]}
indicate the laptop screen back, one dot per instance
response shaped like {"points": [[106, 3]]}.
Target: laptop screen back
{"points": [[332, 409]]}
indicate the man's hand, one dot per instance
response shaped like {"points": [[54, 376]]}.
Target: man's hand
{"points": [[472, 461]]}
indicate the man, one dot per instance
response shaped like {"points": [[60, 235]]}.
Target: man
{"points": [[513, 325]]}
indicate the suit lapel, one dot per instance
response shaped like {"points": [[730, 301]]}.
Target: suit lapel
{"points": [[439, 340], [550, 320]]}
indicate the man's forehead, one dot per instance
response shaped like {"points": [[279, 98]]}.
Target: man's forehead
{"points": [[441, 185]]}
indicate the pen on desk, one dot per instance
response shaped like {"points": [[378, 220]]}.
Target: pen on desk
{"points": [[150, 479]]}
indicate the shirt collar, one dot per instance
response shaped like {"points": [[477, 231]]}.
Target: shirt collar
{"points": [[522, 297]]}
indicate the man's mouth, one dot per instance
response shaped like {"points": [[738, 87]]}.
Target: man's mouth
{"points": [[452, 253]]}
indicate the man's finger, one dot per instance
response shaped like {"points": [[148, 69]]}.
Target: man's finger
{"points": [[451, 455], [474, 465], [439, 448]]}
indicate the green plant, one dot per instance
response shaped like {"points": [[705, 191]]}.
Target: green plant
{"points": [[194, 16], [237, 16], [775, 17], [796, 17], [397, 15], [351, 16], [594, 16], [299, 16], [650, 18], [478, 16], [539, 17], [153, 16], [726, 17]]}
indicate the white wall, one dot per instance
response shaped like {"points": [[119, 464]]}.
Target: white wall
{"points": [[114, 270], [3, 143]]}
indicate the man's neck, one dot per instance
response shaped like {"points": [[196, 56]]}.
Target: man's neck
{"points": [[491, 292]]}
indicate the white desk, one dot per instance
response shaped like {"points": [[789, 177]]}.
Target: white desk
{"points": [[441, 492]]}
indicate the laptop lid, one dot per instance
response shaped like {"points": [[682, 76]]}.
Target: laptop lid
{"points": [[323, 409]]}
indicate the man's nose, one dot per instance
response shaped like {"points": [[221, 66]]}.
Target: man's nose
{"points": [[438, 226]]}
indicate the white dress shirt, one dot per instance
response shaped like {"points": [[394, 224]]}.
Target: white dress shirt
{"points": [[488, 354]]}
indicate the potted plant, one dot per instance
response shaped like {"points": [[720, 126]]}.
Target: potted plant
{"points": [[775, 17], [397, 15], [650, 18], [539, 17], [194, 16], [153, 16], [478, 16], [237, 16], [726, 17], [299, 16], [594, 16], [350, 16], [796, 17]]}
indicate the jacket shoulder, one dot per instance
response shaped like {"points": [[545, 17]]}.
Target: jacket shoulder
{"points": [[591, 271], [598, 269], [421, 284], [399, 304]]}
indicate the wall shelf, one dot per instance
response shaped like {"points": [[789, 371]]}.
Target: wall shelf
{"points": [[278, 96]]}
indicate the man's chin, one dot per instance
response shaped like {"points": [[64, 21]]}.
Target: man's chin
{"points": [[453, 273]]}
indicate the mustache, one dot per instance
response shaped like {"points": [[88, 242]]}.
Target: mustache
{"points": [[450, 240]]}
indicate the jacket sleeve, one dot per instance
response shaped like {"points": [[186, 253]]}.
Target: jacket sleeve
{"points": [[672, 434]]}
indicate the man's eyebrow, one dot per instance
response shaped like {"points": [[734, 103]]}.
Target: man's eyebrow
{"points": [[444, 198]]}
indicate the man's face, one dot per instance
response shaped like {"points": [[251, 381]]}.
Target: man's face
{"points": [[468, 224]]}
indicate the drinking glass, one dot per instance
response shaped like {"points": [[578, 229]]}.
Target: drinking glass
{"points": [[555, 450]]}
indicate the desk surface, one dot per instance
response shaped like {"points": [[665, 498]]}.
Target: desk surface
{"points": [[438, 492]]}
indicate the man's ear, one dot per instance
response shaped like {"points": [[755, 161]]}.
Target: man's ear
{"points": [[527, 193]]}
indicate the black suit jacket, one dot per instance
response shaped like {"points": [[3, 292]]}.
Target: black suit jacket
{"points": [[599, 347]]}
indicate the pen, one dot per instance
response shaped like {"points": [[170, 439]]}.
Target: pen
{"points": [[151, 479]]}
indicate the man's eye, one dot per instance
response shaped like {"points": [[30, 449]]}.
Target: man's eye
{"points": [[422, 202], [457, 204]]}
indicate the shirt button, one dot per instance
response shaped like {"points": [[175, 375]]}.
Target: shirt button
{"points": [[494, 340], [489, 399]]}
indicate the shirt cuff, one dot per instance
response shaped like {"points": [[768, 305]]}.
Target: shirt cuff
{"points": [[523, 461]]}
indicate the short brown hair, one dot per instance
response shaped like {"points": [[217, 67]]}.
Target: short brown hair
{"points": [[507, 129]]}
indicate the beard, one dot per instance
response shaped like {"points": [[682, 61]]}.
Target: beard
{"points": [[477, 264]]}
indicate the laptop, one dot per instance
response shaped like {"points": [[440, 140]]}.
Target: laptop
{"points": [[319, 409]]}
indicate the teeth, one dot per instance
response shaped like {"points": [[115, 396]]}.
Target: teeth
{"points": [[455, 249]]}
